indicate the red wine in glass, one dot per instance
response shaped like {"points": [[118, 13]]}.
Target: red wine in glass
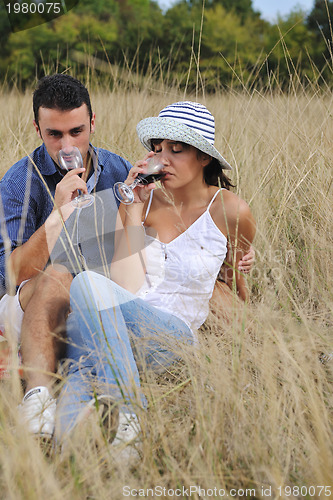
{"points": [[124, 193], [148, 178], [69, 159]]}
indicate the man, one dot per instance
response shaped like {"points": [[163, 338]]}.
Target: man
{"points": [[35, 196], [35, 199]]}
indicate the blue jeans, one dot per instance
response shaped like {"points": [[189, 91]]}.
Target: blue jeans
{"points": [[112, 335]]}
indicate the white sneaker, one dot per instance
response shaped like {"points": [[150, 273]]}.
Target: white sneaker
{"points": [[37, 411], [127, 444], [103, 407]]}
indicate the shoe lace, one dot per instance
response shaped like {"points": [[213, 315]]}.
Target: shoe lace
{"points": [[128, 424]]}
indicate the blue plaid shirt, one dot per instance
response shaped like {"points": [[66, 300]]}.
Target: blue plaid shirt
{"points": [[26, 195]]}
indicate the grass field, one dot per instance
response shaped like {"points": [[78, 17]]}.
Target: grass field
{"points": [[252, 414]]}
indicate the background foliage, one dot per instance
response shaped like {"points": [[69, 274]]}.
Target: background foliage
{"points": [[223, 39]]}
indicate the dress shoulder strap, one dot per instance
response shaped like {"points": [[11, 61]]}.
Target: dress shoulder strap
{"points": [[212, 200], [149, 205]]}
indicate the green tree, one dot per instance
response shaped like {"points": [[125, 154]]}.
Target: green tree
{"points": [[242, 8], [230, 40], [292, 47], [139, 29], [181, 29], [320, 19], [229, 45], [319, 22], [5, 30]]}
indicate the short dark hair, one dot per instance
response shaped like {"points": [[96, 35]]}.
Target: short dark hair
{"points": [[61, 92]]}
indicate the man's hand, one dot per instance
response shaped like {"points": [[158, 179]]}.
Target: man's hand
{"points": [[67, 188], [246, 263]]}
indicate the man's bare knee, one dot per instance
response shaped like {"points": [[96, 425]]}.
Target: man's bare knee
{"points": [[54, 280], [48, 295], [26, 292]]}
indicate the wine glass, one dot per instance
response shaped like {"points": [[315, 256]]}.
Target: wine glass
{"points": [[124, 193], [70, 158]]}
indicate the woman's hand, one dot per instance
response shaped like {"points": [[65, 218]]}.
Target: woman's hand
{"points": [[246, 263], [141, 191]]}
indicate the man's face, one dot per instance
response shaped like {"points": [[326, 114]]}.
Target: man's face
{"points": [[62, 129]]}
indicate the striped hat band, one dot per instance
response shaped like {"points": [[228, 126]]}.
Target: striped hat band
{"points": [[194, 115], [188, 122]]}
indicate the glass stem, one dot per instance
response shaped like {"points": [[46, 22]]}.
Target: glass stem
{"points": [[134, 183]]}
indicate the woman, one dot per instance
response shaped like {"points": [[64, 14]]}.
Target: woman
{"points": [[176, 239]]}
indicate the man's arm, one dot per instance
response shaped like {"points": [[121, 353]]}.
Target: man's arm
{"points": [[26, 260]]}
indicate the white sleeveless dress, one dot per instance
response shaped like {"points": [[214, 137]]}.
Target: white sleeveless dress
{"points": [[181, 274]]}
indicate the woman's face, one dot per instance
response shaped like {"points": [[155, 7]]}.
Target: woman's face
{"points": [[183, 163]]}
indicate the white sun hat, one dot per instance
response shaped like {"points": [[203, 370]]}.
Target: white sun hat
{"points": [[186, 121]]}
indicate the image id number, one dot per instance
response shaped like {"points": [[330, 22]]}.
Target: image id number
{"points": [[34, 8], [305, 491]]}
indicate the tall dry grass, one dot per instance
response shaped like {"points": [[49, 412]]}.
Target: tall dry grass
{"points": [[254, 409]]}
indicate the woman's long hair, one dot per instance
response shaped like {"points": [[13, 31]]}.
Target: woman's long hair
{"points": [[215, 176]]}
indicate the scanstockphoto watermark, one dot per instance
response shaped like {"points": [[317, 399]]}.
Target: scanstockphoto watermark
{"points": [[272, 263], [276, 255], [187, 492], [311, 491], [269, 265]]}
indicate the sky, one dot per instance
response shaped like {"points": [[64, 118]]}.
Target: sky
{"points": [[269, 8]]}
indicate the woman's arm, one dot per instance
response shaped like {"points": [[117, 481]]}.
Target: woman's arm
{"points": [[244, 266], [240, 226], [242, 232], [128, 266], [128, 263]]}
